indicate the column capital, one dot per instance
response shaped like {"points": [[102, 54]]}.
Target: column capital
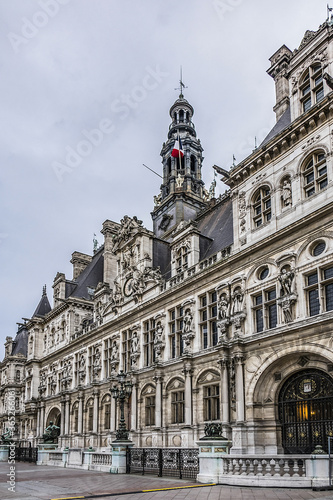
{"points": [[239, 358], [223, 362]]}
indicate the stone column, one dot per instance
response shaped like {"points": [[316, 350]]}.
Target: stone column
{"points": [[80, 413], [239, 434], [158, 399], [67, 407], [38, 420], [225, 416], [96, 399], [63, 412], [134, 405], [42, 419], [239, 382], [113, 412], [188, 393]]}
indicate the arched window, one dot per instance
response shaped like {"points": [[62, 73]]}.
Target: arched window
{"points": [[314, 173], [90, 415], [181, 116], [169, 166], [148, 396], [262, 206], [106, 412], [75, 413], [192, 164], [312, 87]]}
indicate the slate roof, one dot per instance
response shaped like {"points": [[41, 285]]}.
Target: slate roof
{"points": [[89, 278], [44, 305], [216, 224], [283, 123], [20, 343]]}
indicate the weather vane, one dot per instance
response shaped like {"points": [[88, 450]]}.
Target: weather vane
{"points": [[181, 84]]}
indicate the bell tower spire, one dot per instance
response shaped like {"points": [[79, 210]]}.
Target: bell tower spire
{"points": [[182, 190]]}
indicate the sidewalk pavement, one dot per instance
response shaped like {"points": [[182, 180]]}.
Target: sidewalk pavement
{"points": [[46, 483]]}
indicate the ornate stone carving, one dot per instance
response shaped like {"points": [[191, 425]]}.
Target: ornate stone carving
{"points": [[97, 362], [82, 367], [286, 192], [113, 362], [135, 348], [287, 295], [164, 224], [242, 211], [311, 141], [188, 333], [128, 227], [159, 343]]}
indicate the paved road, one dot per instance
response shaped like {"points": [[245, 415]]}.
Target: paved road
{"points": [[46, 483]]}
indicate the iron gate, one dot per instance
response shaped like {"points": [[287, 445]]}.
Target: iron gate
{"points": [[26, 453], [306, 411], [176, 462]]}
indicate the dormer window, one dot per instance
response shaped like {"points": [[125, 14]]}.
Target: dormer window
{"points": [[312, 87], [182, 259], [262, 206]]}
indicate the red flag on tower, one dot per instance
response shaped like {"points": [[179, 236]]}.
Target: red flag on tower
{"points": [[177, 149]]}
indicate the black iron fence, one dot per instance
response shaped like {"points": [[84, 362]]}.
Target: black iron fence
{"points": [[26, 453], [176, 462]]}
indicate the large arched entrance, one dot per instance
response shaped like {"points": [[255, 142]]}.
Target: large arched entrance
{"points": [[306, 411]]}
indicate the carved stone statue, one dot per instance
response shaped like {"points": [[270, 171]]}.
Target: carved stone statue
{"points": [[286, 192], [51, 433], [237, 298], [223, 306], [179, 181], [286, 279], [134, 343], [187, 326], [114, 352]]}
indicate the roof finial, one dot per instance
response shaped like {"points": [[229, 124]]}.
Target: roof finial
{"points": [[44, 290], [181, 85], [329, 14]]}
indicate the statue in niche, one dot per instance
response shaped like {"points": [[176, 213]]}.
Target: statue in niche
{"points": [[286, 280], [237, 301], [179, 181], [286, 192], [114, 352], [223, 306], [187, 326], [134, 343], [158, 333]]}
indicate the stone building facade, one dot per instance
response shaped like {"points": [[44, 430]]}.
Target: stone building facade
{"points": [[223, 313]]}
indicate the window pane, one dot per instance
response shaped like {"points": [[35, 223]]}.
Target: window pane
{"points": [[272, 316], [313, 279], [319, 95], [329, 297], [309, 178], [328, 273], [307, 105], [259, 320], [313, 302], [271, 295], [258, 300], [323, 184]]}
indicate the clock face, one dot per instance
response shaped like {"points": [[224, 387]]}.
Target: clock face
{"points": [[128, 287]]}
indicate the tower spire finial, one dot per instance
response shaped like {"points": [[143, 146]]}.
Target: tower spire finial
{"points": [[44, 290], [329, 14], [181, 84]]}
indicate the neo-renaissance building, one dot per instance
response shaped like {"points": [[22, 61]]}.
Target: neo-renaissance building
{"points": [[222, 313]]}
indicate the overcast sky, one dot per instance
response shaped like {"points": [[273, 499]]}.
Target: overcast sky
{"points": [[70, 67]]}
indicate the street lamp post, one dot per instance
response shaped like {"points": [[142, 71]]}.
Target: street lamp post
{"points": [[121, 392]]}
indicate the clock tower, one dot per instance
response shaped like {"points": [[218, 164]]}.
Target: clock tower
{"points": [[182, 191]]}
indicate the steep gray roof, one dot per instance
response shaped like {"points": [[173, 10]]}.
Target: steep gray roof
{"points": [[20, 343], [217, 225], [283, 123], [89, 278], [44, 305]]}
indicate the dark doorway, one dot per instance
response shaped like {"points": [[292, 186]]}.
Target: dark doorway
{"points": [[306, 411]]}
